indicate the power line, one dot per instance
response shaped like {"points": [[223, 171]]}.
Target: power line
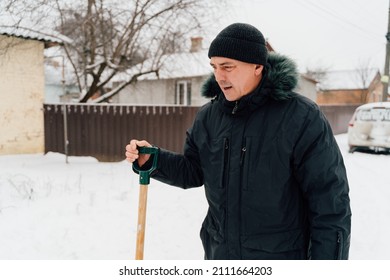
{"points": [[316, 8], [358, 8]]}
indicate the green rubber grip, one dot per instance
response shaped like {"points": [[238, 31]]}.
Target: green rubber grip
{"points": [[144, 175]]}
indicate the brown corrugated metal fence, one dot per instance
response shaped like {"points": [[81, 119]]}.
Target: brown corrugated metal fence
{"points": [[103, 130]]}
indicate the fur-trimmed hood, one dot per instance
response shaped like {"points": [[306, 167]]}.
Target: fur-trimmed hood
{"points": [[279, 79]]}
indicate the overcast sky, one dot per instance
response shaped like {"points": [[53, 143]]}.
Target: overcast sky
{"points": [[332, 34], [328, 34]]}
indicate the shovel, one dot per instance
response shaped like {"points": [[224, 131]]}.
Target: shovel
{"points": [[144, 180]]}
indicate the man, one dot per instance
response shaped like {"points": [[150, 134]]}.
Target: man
{"points": [[273, 174]]}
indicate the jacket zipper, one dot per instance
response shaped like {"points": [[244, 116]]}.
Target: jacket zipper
{"points": [[225, 162], [242, 158], [225, 185], [243, 151], [235, 108]]}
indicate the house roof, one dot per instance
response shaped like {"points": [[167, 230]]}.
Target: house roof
{"points": [[182, 65], [348, 79], [47, 36], [173, 66], [189, 64]]}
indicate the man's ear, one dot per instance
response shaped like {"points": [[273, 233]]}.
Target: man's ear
{"points": [[258, 69]]}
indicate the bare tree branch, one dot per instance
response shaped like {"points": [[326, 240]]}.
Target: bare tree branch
{"points": [[110, 37], [108, 95]]}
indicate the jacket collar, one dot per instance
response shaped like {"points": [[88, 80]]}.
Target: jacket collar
{"points": [[246, 104]]}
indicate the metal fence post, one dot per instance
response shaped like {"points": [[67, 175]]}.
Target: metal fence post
{"points": [[66, 141]]}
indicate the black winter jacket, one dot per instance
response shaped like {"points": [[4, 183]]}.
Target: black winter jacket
{"points": [[273, 174]]}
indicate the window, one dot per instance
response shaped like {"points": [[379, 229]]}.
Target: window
{"points": [[183, 93], [374, 114]]}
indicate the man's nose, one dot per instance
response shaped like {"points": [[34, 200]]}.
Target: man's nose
{"points": [[219, 75]]}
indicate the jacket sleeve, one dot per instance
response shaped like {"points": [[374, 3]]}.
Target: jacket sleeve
{"points": [[320, 171], [181, 170]]}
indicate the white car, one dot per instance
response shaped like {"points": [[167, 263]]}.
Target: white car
{"points": [[369, 128]]}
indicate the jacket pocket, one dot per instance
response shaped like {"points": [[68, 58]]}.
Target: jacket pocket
{"points": [[210, 226], [281, 245], [215, 162], [267, 165], [212, 239]]}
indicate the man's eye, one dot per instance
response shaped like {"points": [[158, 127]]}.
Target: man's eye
{"points": [[228, 68]]}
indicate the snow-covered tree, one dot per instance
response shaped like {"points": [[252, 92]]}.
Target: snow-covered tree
{"points": [[110, 37]]}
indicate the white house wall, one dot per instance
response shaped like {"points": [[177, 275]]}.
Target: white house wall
{"points": [[22, 93], [159, 92], [307, 88], [143, 92]]}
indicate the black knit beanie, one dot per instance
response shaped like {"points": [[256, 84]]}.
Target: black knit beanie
{"points": [[240, 41]]}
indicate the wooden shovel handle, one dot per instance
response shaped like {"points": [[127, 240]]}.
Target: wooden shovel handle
{"points": [[143, 196]]}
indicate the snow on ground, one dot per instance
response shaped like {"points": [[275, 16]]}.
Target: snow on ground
{"points": [[88, 210]]}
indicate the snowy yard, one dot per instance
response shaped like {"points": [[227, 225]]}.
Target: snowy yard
{"points": [[88, 210]]}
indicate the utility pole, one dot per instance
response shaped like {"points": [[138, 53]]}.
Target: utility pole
{"points": [[385, 78]]}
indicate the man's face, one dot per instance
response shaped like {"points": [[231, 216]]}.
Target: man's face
{"points": [[235, 78]]}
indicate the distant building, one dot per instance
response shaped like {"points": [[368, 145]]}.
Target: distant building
{"points": [[178, 82], [350, 87], [307, 87], [22, 83]]}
